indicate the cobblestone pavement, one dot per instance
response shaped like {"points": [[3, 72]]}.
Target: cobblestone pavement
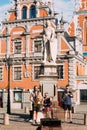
{"points": [[18, 120]]}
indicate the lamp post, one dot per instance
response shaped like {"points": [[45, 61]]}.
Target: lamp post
{"points": [[9, 62]]}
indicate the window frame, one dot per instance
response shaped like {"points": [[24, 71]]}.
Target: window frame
{"points": [[1, 74], [24, 12], [17, 71], [14, 98], [60, 73], [37, 53], [39, 49], [85, 54], [16, 41], [32, 11], [19, 48], [39, 71]]}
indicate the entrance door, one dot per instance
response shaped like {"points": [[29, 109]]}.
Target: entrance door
{"points": [[83, 95], [60, 97]]}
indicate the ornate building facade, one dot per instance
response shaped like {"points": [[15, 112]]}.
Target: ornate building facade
{"points": [[21, 52]]}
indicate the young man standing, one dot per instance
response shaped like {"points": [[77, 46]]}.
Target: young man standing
{"points": [[67, 95]]}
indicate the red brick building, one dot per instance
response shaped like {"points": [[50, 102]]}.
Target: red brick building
{"points": [[21, 42]]}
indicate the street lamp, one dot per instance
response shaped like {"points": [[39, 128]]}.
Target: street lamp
{"points": [[9, 63]]}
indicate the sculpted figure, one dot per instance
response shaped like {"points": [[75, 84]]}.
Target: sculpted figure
{"points": [[50, 43]]}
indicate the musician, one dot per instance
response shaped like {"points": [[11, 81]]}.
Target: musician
{"points": [[67, 95]]}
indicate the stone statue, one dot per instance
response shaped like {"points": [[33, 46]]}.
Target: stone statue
{"points": [[50, 43]]}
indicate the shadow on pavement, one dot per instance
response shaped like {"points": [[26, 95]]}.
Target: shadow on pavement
{"points": [[19, 117]]}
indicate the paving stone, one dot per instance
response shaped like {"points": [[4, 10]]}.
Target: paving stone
{"points": [[20, 121]]}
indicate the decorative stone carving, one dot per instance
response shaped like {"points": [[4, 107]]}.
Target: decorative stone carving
{"points": [[26, 74]]}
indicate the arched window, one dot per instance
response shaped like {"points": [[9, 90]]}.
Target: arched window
{"points": [[33, 11], [24, 12]]}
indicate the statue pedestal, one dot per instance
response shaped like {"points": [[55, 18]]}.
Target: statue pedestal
{"points": [[49, 80]]}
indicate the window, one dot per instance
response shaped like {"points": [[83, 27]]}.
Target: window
{"points": [[33, 11], [85, 54], [17, 73], [17, 47], [17, 96], [37, 46], [60, 71], [24, 12], [36, 72], [83, 95], [0, 73]]}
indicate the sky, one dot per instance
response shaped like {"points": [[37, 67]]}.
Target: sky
{"points": [[63, 7], [3, 2]]}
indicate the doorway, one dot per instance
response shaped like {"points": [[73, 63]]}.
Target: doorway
{"points": [[60, 98], [83, 95]]}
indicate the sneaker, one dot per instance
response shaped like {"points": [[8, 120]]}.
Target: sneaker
{"points": [[34, 122], [31, 121]]}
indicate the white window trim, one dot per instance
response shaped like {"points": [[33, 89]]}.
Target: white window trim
{"points": [[2, 73], [14, 96], [17, 40], [33, 71], [21, 72], [33, 49], [63, 71]]}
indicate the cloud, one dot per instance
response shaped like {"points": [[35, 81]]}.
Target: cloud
{"points": [[64, 7], [3, 12]]}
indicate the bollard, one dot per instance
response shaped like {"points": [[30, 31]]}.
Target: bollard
{"points": [[85, 119], [73, 109], [6, 119], [26, 110]]}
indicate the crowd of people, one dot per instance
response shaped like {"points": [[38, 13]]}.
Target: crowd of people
{"points": [[42, 106]]}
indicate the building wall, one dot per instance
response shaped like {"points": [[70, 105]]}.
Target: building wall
{"points": [[30, 29]]}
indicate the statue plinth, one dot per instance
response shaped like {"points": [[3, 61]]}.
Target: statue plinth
{"points": [[49, 79]]}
